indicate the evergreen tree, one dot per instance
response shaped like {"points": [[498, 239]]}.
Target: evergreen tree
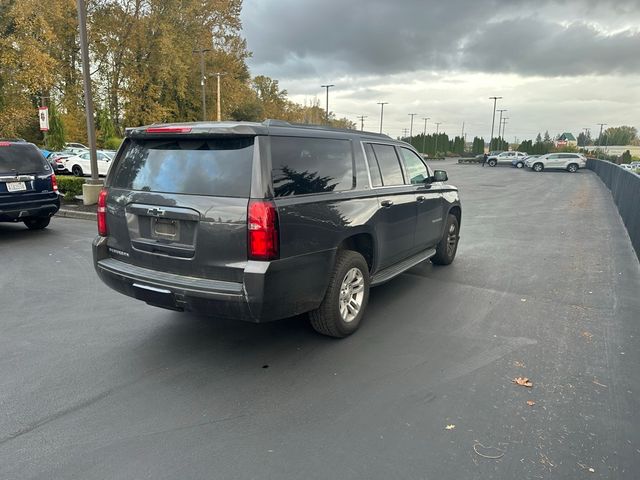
{"points": [[55, 136]]}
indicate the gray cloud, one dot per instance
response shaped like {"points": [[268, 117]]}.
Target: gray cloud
{"points": [[324, 38]]}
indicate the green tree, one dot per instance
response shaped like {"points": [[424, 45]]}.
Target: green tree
{"points": [[55, 136], [626, 157], [624, 135]]}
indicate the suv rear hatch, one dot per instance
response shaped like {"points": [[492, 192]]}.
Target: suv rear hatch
{"points": [[179, 205]]}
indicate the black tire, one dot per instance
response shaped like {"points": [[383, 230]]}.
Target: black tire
{"points": [[448, 244], [77, 171], [37, 223], [572, 168], [538, 167], [327, 319], [519, 165], [493, 162]]}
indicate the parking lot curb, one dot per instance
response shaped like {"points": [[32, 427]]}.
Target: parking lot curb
{"points": [[72, 214]]}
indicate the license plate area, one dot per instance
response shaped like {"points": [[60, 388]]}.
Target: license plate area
{"points": [[165, 229], [16, 186]]}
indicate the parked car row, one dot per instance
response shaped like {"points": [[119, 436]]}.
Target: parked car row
{"points": [[76, 161], [570, 162]]}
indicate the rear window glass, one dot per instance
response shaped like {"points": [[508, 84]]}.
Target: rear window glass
{"points": [[311, 165], [217, 167], [17, 159]]}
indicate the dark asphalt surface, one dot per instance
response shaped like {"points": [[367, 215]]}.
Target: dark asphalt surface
{"points": [[95, 385]]}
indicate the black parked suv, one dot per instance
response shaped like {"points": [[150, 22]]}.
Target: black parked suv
{"points": [[265, 221], [28, 188]]}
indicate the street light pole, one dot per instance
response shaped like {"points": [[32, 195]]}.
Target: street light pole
{"points": [[218, 75], [88, 100], [411, 127], [493, 119], [382, 104], [202, 81], [504, 124], [424, 133], [327, 111], [437, 132]]}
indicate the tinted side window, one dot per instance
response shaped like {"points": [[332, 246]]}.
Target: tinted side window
{"points": [[415, 167], [389, 164], [374, 169], [219, 167], [311, 165]]}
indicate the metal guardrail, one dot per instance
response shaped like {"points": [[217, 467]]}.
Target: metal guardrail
{"points": [[625, 189]]}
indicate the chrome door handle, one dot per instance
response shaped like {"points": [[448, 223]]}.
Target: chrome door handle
{"points": [[386, 203]]}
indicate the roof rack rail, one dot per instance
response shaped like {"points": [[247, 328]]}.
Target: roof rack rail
{"points": [[271, 122], [311, 126]]}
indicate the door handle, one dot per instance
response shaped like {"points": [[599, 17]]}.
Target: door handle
{"points": [[386, 203], [420, 199]]}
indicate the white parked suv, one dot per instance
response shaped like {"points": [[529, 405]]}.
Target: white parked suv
{"points": [[570, 162], [505, 157]]}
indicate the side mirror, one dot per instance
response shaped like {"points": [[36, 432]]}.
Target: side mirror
{"points": [[440, 176]]}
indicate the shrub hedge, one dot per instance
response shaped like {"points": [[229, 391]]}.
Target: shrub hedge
{"points": [[70, 186]]}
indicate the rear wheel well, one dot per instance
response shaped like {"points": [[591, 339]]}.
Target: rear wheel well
{"points": [[361, 243]]}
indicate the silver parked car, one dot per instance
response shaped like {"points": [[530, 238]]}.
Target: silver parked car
{"points": [[570, 162]]}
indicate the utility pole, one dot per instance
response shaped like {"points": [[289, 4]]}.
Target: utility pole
{"points": [[424, 133], [437, 131], [411, 127], [218, 75], [500, 122], [600, 136], [493, 119], [382, 104], [327, 87], [462, 136], [504, 123], [91, 192], [404, 132], [361, 118], [202, 51]]}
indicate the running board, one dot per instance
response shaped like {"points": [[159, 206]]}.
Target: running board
{"points": [[395, 270]]}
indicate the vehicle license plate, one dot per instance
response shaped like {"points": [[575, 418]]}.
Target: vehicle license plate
{"points": [[16, 187]]}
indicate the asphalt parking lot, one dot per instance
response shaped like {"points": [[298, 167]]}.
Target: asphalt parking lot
{"points": [[96, 385]]}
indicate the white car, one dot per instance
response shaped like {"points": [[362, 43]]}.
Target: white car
{"points": [[506, 157], [80, 165], [570, 162]]}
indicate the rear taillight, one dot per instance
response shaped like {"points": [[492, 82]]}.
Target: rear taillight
{"points": [[262, 225], [54, 183], [102, 213], [168, 130]]}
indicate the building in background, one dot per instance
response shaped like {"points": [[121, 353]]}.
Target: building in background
{"points": [[566, 140]]}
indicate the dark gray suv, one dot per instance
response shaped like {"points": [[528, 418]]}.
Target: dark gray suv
{"points": [[265, 221]]}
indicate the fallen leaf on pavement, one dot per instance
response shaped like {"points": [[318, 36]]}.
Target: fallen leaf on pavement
{"points": [[449, 427], [523, 381], [531, 403], [518, 364], [592, 470]]}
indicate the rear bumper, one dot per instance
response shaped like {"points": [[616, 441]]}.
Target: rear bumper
{"points": [[15, 211], [270, 290]]}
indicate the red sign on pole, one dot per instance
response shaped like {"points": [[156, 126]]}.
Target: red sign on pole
{"points": [[43, 114]]}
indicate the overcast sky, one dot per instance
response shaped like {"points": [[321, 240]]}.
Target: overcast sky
{"points": [[560, 65]]}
